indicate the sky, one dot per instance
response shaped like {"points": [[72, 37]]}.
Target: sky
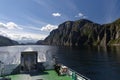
{"points": [[32, 20]]}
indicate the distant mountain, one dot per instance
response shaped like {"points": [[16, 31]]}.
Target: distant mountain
{"points": [[84, 32], [4, 41], [39, 42]]}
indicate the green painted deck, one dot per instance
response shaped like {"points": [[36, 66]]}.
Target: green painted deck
{"points": [[52, 75], [46, 75]]}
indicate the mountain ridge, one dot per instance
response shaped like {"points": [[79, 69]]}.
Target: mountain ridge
{"points": [[85, 32], [4, 41]]}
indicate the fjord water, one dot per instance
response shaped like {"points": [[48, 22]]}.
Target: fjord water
{"points": [[96, 63]]}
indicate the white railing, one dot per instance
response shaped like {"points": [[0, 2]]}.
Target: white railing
{"points": [[76, 75]]}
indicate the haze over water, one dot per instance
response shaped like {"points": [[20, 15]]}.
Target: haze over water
{"points": [[96, 63]]}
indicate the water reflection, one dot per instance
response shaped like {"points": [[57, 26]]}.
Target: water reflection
{"points": [[98, 63]]}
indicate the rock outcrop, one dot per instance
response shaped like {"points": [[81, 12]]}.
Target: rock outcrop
{"points": [[85, 32]]}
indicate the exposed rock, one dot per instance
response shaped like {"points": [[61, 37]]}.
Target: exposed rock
{"points": [[84, 32]]}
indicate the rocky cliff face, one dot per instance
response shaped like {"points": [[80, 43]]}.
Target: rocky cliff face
{"points": [[6, 41], [111, 33], [85, 32]]}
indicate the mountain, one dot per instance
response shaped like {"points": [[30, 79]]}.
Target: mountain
{"points": [[4, 41], [85, 32], [39, 42], [111, 33]]}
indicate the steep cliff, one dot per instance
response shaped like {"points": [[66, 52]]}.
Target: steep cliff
{"points": [[111, 33], [85, 32]]}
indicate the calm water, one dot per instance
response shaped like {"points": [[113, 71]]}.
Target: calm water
{"points": [[96, 63]]}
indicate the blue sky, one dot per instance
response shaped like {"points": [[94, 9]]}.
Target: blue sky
{"points": [[31, 20]]}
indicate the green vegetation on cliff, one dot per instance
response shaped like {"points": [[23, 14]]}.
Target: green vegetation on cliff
{"points": [[85, 32]]}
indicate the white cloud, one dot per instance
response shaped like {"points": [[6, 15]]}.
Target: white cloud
{"points": [[22, 36], [24, 33], [81, 15], [27, 36], [2, 25], [48, 27], [9, 25], [56, 14], [3, 33]]}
